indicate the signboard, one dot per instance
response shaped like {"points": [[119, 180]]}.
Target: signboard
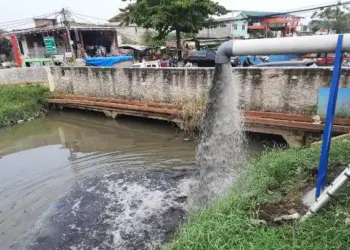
{"points": [[50, 44], [68, 54]]}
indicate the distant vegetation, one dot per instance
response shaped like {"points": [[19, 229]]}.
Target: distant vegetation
{"points": [[21, 103], [5, 45], [171, 16], [274, 185], [336, 19], [151, 38]]}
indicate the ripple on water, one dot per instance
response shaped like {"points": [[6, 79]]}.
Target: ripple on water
{"points": [[49, 158]]}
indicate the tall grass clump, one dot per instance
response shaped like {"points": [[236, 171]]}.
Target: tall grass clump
{"points": [[191, 114], [21, 103], [276, 177]]}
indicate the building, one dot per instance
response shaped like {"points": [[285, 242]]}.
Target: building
{"points": [[89, 36], [227, 27], [271, 24], [130, 34], [252, 24], [240, 25]]}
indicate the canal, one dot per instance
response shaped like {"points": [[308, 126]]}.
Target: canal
{"points": [[77, 180]]}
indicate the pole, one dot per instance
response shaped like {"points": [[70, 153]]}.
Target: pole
{"points": [[327, 135], [233, 26], [15, 49], [67, 26], [81, 39]]}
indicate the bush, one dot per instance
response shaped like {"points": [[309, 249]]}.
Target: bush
{"points": [[21, 103]]}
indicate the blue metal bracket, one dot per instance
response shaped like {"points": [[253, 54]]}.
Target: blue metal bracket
{"points": [[327, 134]]}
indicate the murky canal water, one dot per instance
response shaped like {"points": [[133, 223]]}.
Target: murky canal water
{"points": [[82, 181]]}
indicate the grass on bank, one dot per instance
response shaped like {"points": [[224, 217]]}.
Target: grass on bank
{"points": [[21, 103], [276, 177]]}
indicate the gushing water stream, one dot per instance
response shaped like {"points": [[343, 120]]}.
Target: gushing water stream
{"points": [[221, 151]]}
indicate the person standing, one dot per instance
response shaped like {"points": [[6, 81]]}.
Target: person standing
{"points": [[247, 62]]}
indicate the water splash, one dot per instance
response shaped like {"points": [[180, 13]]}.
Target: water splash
{"points": [[221, 151]]}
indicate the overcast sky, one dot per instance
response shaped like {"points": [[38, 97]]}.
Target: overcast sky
{"points": [[21, 9]]}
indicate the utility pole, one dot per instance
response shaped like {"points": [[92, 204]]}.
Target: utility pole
{"points": [[67, 25]]}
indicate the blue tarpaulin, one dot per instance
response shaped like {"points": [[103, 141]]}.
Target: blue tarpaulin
{"points": [[272, 58], [107, 61]]}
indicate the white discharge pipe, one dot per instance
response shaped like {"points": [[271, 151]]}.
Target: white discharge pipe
{"points": [[291, 45], [286, 45], [328, 193]]}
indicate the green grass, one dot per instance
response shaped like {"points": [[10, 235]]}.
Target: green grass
{"points": [[21, 103], [273, 177]]}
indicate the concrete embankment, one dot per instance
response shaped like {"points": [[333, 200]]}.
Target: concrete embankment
{"points": [[23, 76], [272, 90], [283, 90]]}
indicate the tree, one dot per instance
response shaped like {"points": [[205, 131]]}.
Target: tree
{"points": [[316, 25], [150, 38], [5, 45], [333, 18], [166, 16]]}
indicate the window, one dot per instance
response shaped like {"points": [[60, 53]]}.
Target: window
{"points": [[21, 46], [235, 26], [243, 26]]}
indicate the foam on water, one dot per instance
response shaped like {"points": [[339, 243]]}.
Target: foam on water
{"points": [[129, 209], [221, 151]]}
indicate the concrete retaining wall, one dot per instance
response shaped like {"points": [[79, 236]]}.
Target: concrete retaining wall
{"points": [[275, 90], [158, 85], [19, 76], [284, 90]]}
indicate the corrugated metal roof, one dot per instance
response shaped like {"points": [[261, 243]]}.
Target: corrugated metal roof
{"points": [[227, 17], [232, 16], [74, 26], [264, 14], [135, 47]]}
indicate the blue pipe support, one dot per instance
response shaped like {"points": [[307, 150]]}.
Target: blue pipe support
{"points": [[328, 130]]}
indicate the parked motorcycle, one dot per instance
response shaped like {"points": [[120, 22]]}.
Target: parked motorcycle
{"points": [[235, 62]]}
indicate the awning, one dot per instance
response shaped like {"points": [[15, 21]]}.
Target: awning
{"points": [[135, 47], [257, 27], [281, 20]]}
